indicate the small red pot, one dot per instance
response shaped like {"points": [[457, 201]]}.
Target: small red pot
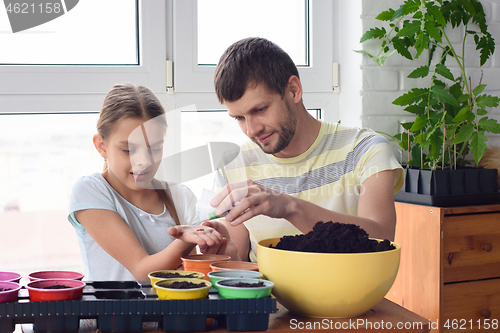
{"points": [[38, 290]]}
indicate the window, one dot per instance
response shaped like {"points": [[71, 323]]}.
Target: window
{"points": [[69, 39], [231, 20], [41, 157], [200, 127], [65, 87], [312, 24], [48, 115]]}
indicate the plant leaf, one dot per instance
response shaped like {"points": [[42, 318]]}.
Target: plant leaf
{"points": [[485, 101], [386, 15], [363, 52], [443, 95], [408, 7], [411, 97], [400, 46], [419, 123], [463, 99], [479, 89], [415, 109], [373, 33], [462, 114], [407, 126], [444, 71], [481, 112], [434, 11], [463, 134], [419, 72], [478, 145], [489, 125], [436, 143], [410, 28], [380, 60], [432, 31]]}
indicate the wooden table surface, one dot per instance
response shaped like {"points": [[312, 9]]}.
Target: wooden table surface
{"points": [[385, 316]]}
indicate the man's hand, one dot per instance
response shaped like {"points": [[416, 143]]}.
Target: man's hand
{"points": [[251, 199]]}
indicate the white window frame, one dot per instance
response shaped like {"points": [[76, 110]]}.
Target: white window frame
{"points": [[191, 77], [47, 89]]}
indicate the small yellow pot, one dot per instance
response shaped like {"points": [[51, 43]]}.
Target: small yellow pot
{"points": [[166, 293], [156, 275]]}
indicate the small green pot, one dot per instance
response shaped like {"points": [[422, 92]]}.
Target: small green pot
{"points": [[232, 274], [227, 288]]}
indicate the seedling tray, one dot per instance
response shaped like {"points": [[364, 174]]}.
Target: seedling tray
{"points": [[123, 306]]}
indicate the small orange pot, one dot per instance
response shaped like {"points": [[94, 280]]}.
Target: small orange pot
{"points": [[238, 265], [201, 262]]}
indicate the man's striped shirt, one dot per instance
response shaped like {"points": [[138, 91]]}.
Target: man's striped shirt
{"points": [[329, 174]]}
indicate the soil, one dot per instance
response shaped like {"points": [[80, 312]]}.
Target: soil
{"points": [[5, 289], [248, 285], [57, 286], [185, 285], [333, 237], [173, 275]]}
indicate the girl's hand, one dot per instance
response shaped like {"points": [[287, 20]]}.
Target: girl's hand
{"points": [[227, 247], [203, 236]]}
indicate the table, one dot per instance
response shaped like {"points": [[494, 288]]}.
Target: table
{"points": [[385, 316]]}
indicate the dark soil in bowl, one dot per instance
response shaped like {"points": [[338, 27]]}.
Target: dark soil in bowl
{"points": [[166, 275], [333, 237], [248, 285], [57, 286], [185, 285], [5, 289]]}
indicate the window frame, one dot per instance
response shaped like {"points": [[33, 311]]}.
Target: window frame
{"points": [[72, 88], [191, 77]]}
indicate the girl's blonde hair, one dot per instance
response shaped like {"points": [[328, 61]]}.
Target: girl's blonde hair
{"points": [[134, 101]]}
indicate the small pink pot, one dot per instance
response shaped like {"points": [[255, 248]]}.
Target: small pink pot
{"points": [[42, 275], [9, 291], [10, 277]]}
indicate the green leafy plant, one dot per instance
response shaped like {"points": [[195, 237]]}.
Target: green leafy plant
{"points": [[451, 115]]}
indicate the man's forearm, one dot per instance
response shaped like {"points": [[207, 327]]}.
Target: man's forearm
{"points": [[304, 215]]}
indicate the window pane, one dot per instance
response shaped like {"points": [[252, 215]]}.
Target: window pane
{"points": [[222, 22], [94, 32], [41, 157], [201, 127]]}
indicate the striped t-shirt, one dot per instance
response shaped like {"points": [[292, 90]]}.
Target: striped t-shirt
{"points": [[329, 174]]}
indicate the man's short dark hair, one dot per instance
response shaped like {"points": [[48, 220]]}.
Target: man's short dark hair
{"points": [[252, 61]]}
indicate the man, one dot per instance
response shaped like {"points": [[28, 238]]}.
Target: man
{"points": [[296, 170]]}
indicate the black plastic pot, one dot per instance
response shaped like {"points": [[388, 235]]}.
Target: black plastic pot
{"points": [[450, 188]]}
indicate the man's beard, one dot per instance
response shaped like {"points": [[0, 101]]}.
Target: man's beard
{"points": [[285, 134]]}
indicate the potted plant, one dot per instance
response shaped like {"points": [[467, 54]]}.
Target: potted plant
{"points": [[451, 111]]}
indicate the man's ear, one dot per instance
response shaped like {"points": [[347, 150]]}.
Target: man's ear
{"points": [[295, 88], [99, 145]]}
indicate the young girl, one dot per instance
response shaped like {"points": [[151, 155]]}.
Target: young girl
{"points": [[129, 224]]}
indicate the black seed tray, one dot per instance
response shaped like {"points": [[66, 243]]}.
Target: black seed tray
{"points": [[123, 306]]}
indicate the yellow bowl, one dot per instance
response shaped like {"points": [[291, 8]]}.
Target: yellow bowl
{"points": [[328, 285], [156, 275], [166, 293]]}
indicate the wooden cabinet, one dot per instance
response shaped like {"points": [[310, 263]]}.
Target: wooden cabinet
{"points": [[450, 266]]}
